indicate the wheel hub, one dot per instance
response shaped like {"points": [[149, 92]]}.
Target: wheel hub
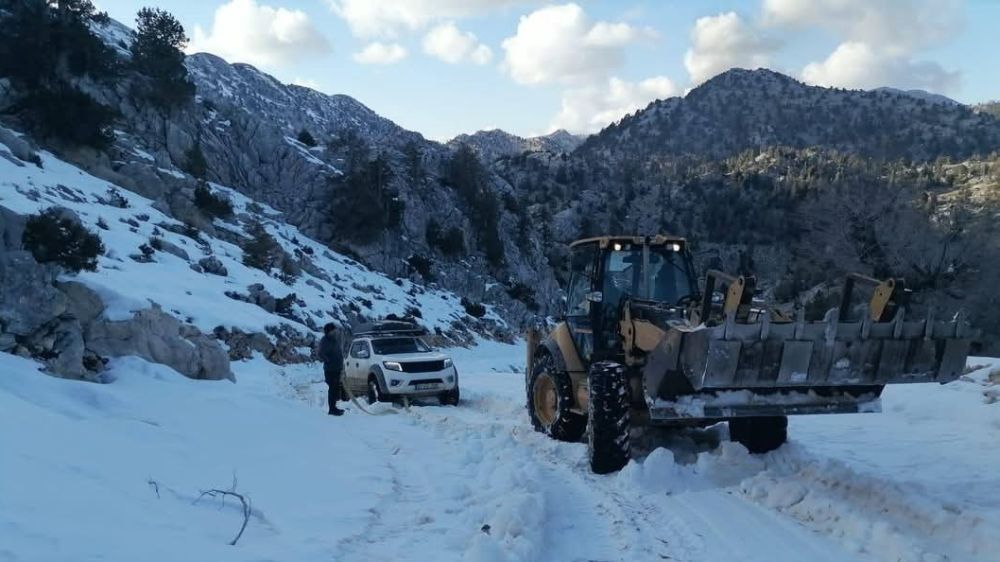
{"points": [[545, 399]]}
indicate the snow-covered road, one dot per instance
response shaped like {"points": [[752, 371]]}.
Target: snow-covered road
{"points": [[474, 482]]}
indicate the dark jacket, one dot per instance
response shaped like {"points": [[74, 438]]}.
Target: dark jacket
{"points": [[330, 353]]}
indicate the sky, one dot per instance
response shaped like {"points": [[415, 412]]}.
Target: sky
{"points": [[446, 67]]}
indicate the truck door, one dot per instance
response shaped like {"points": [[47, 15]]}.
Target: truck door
{"points": [[357, 364]]}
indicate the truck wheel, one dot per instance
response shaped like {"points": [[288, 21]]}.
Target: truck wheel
{"points": [[759, 435], [449, 397], [608, 438], [374, 392], [550, 401]]}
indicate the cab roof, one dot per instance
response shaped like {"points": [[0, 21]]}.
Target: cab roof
{"points": [[657, 240]]}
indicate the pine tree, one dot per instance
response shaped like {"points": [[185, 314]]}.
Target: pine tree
{"points": [[45, 43], [158, 53]]}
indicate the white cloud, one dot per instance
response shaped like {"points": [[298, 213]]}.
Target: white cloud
{"points": [[721, 42], [245, 31], [386, 18], [879, 40], [894, 26], [857, 65], [380, 53], [453, 46], [560, 44], [591, 108]]}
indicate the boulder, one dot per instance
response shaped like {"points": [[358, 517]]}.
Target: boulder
{"points": [[11, 229], [18, 146], [262, 298], [171, 248], [212, 265], [160, 338], [82, 302], [28, 300], [65, 350]]}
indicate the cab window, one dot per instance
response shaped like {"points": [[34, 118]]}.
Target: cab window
{"points": [[582, 264]]}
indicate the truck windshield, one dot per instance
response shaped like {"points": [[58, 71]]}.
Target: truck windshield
{"points": [[393, 346], [668, 275]]}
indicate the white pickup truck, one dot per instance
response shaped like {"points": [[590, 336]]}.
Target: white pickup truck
{"points": [[389, 365]]}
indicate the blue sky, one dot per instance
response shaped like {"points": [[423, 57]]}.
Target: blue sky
{"points": [[444, 67]]}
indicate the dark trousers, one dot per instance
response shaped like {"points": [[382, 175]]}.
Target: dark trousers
{"points": [[333, 394]]}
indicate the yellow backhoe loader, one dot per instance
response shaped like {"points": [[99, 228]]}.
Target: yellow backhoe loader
{"points": [[641, 344]]}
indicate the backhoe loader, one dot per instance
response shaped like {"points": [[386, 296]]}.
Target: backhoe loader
{"points": [[641, 344]]}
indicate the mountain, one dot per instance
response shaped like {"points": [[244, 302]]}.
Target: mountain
{"points": [[988, 108], [920, 95], [741, 110], [493, 144]]}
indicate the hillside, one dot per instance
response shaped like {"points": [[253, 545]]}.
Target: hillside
{"points": [[742, 110], [204, 278]]}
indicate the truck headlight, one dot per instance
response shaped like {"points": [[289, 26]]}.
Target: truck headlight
{"points": [[392, 366], [394, 382], [447, 363]]}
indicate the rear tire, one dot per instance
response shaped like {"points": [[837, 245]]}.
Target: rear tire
{"points": [[610, 423], [550, 401], [759, 435], [449, 397]]}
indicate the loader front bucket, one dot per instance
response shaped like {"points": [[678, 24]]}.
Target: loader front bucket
{"points": [[829, 353]]}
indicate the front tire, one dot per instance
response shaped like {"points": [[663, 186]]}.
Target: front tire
{"points": [[550, 402], [759, 435], [374, 391], [450, 397], [610, 423]]}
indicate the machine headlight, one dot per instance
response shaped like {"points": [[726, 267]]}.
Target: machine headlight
{"points": [[451, 378], [393, 382], [447, 363], [392, 366]]}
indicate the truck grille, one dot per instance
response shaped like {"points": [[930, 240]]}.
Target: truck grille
{"points": [[423, 366]]}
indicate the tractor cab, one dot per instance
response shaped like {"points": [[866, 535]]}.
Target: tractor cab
{"points": [[609, 271]]}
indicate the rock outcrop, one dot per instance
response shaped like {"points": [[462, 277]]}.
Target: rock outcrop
{"points": [[62, 323]]}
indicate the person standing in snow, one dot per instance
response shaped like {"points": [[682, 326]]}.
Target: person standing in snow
{"points": [[333, 365]]}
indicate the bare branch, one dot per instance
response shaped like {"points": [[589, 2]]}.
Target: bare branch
{"points": [[244, 502]]}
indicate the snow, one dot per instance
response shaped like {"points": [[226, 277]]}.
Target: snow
{"points": [[472, 483], [127, 285]]}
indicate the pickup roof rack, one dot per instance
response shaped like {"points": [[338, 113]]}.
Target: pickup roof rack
{"points": [[390, 328]]}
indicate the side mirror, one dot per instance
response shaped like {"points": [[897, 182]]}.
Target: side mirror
{"points": [[363, 354], [594, 296]]}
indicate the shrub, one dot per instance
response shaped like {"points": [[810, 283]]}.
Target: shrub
{"points": [[421, 265], [51, 237], [71, 116], [306, 138], [473, 309], [261, 251], [525, 294], [450, 242], [212, 204]]}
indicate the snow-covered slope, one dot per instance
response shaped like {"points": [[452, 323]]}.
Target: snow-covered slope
{"points": [[114, 472], [331, 287]]}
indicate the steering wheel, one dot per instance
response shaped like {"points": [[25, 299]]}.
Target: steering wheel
{"points": [[686, 300]]}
